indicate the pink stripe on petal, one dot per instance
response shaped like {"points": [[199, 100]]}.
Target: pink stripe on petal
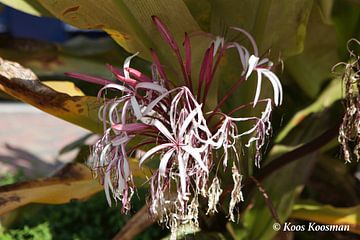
{"points": [[131, 127], [138, 75], [165, 33], [88, 78], [119, 75]]}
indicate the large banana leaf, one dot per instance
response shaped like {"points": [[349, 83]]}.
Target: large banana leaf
{"points": [[266, 19], [128, 22], [22, 83]]}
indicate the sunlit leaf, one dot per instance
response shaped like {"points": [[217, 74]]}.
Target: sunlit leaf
{"points": [[28, 6], [66, 87], [22, 84], [128, 22], [74, 181], [327, 214]]}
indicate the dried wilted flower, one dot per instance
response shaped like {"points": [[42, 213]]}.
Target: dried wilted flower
{"points": [[175, 129], [349, 132]]}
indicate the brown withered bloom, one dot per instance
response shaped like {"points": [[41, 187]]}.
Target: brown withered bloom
{"points": [[349, 133]]}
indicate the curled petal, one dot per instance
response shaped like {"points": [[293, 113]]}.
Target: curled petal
{"points": [[119, 75], [164, 161], [196, 155], [278, 92], [127, 65], [252, 40], [253, 61], [138, 75], [151, 86], [153, 151], [258, 90]]}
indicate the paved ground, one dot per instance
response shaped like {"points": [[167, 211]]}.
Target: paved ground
{"points": [[30, 140]]}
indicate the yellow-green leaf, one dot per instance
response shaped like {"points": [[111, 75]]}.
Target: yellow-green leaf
{"points": [[328, 214], [29, 6], [74, 181], [22, 84], [66, 87], [128, 22]]}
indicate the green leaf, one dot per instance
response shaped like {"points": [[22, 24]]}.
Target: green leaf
{"points": [[128, 22], [265, 20], [327, 214], [312, 68], [346, 19], [330, 95]]}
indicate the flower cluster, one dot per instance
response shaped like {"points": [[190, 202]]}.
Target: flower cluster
{"points": [[349, 132], [174, 130]]}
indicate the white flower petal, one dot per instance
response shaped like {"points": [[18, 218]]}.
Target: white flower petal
{"points": [[127, 64], [253, 60], [164, 161], [182, 174], [196, 155], [276, 86], [258, 89], [219, 42], [187, 121], [151, 86], [163, 130], [252, 40], [136, 107], [243, 54], [153, 151]]}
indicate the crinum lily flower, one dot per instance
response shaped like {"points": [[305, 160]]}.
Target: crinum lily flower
{"points": [[170, 125]]}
